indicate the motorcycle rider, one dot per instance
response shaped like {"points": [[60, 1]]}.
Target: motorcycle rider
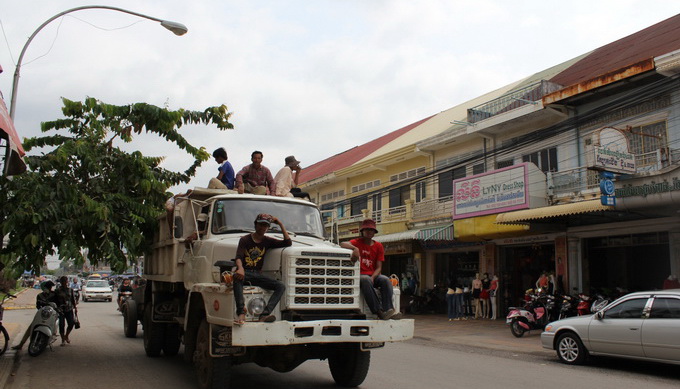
{"points": [[44, 298], [75, 286], [67, 304], [124, 287]]}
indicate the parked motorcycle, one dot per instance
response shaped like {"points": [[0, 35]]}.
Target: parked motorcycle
{"points": [[44, 329], [568, 307], [535, 314], [429, 302]]}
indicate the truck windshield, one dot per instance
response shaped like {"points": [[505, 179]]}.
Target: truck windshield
{"points": [[234, 215]]}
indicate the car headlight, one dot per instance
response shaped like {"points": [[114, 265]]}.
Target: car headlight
{"points": [[256, 306], [548, 328]]}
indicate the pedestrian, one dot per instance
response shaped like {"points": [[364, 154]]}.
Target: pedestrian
{"points": [[249, 261], [371, 255], [255, 178], [225, 175], [67, 305]]}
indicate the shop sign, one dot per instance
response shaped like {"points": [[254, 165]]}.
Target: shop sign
{"points": [[393, 248], [526, 239], [610, 152], [497, 191], [651, 188]]}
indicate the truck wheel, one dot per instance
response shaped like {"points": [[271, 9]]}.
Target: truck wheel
{"points": [[349, 365], [212, 373], [171, 342], [130, 318], [153, 334]]}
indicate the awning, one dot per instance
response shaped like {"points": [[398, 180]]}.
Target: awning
{"points": [[436, 233], [526, 215], [397, 236], [13, 154], [444, 232]]}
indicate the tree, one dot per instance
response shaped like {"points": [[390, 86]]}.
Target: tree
{"points": [[88, 194]]}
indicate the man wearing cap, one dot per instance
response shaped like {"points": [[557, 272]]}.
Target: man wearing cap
{"points": [[287, 179], [249, 260], [372, 254], [255, 178]]}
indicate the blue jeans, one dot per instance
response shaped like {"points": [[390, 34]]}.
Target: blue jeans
{"points": [[367, 290], [458, 297], [451, 305], [258, 279]]}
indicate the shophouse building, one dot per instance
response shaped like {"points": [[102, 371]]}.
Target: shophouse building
{"points": [[572, 171]]}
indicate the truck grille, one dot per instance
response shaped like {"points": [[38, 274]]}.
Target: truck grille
{"points": [[315, 282]]}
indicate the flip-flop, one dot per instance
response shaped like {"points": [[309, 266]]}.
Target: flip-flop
{"points": [[239, 322]]}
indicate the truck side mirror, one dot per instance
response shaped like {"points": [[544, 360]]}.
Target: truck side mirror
{"points": [[179, 227]]}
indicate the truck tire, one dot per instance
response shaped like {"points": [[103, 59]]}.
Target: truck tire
{"points": [[153, 334], [130, 318], [212, 373], [171, 341], [349, 365]]}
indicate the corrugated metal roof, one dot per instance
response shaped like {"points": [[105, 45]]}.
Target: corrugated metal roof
{"points": [[351, 156], [526, 215], [653, 41]]}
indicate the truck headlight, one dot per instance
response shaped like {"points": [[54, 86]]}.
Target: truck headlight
{"points": [[256, 306]]}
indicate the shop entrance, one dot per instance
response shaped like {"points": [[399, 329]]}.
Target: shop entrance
{"points": [[632, 262], [520, 267], [461, 265]]}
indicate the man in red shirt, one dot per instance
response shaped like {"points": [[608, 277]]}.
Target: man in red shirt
{"points": [[372, 255]]}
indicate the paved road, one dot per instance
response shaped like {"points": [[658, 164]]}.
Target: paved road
{"points": [[101, 357]]}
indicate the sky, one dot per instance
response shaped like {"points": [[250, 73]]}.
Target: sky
{"points": [[306, 78]]}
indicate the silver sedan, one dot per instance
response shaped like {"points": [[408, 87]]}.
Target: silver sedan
{"points": [[641, 325]]}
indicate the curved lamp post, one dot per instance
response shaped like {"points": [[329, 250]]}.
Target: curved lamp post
{"points": [[176, 28]]}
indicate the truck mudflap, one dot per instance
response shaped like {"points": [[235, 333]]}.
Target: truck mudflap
{"points": [[322, 331]]}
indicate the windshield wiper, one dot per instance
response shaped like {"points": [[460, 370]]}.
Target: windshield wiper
{"points": [[227, 230], [309, 234]]}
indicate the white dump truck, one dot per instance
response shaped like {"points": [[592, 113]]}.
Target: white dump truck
{"points": [[188, 297]]}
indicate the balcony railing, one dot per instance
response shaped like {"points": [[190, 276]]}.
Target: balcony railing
{"points": [[515, 99], [570, 182]]}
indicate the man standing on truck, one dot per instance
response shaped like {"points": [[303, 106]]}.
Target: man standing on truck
{"points": [[372, 255], [249, 260], [255, 178]]}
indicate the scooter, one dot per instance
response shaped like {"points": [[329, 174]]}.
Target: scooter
{"points": [[534, 315], [44, 330]]}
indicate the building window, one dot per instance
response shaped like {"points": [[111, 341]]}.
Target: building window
{"points": [[478, 168], [376, 199], [646, 141], [359, 203], [340, 209], [421, 191], [398, 196], [407, 174], [446, 180], [505, 163], [546, 159]]}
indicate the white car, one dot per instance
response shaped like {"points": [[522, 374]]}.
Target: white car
{"points": [[97, 290], [641, 325]]}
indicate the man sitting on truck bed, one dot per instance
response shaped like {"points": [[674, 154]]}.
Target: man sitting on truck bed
{"points": [[249, 260]]}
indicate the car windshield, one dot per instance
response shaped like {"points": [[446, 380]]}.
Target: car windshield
{"points": [[97, 284], [235, 215]]}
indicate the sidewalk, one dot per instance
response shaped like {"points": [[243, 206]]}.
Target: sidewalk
{"points": [[16, 321], [481, 333]]}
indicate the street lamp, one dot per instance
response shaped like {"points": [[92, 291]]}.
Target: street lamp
{"points": [[176, 28]]}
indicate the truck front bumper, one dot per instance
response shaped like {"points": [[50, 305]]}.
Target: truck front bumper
{"points": [[322, 331]]}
